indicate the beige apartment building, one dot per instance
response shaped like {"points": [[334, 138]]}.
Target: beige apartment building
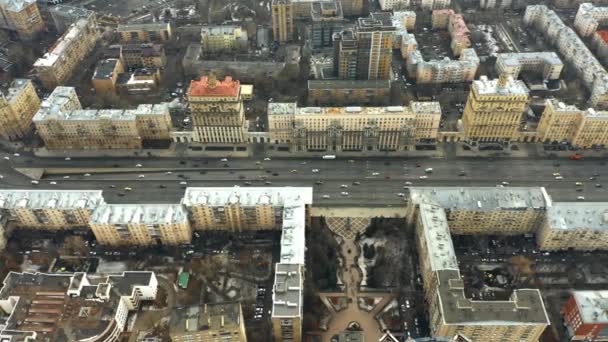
{"points": [[62, 124], [218, 38], [106, 75], [574, 225], [593, 130], [522, 317], [548, 63], [344, 129], [217, 110], [141, 55], [22, 17], [287, 305], [209, 322], [348, 92], [17, 108], [494, 109], [282, 20], [50, 209], [159, 32], [141, 224], [58, 65]]}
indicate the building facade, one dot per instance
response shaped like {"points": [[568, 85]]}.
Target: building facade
{"points": [[217, 110], [404, 22], [282, 20], [22, 17], [63, 124], [585, 316], [58, 65], [352, 129], [447, 19], [388, 5], [106, 75], [143, 225], [140, 55], [220, 38], [439, 71], [207, 323], [547, 63], [494, 109], [145, 33], [588, 18], [49, 209], [348, 93], [17, 108], [327, 19], [365, 53]]}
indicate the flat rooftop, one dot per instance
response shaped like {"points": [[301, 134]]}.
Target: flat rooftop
{"points": [[484, 86], [377, 21], [206, 317], [349, 84], [16, 5], [105, 69], [15, 89], [51, 199], [524, 307], [247, 196], [592, 306], [64, 43], [515, 59], [139, 214], [287, 291], [438, 240], [578, 215], [482, 198], [72, 11], [102, 114], [432, 108], [142, 27]]}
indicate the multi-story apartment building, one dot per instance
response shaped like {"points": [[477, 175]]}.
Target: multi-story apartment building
{"points": [[440, 71], [72, 307], [455, 24], [585, 316], [219, 38], [588, 18], [351, 129], [217, 110], [348, 92], [365, 53], [559, 122], [49, 209], [140, 55], [593, 130], [141, 224], [404, 22], [389, 5], [22, 17], [494, 109], [352, 8], [62, 124], [158, 32], [17, 108], [283, 20], [327, 19], [65, 15], [434, 4], [208, 322], [548, 63], [60, 63], [576, 225], [488, 211], [521, 318], [287, 305], [573, 50], [106, 75]]}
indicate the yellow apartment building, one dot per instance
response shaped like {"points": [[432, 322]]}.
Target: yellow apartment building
{"points": [[282, 20], [22, 17], [106, 75], [218, 38], [559, 122], [159, 32], [17, 108]]}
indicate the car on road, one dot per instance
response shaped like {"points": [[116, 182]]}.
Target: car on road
{"points": [[141, 176], [408, 183], [87, 175], [559, 177], [267, 159], [344, 193], [267, 182], [505, 183], [223, 160], [7, 158], [183, 183], [35, 182], [401, 194], [53, 183], [294, 171], [343, 186], [66, 177], [555, 174], [407, 304], [138, 165], [128, 188], [303, 163], [326, 196], [428, 170], [356, 183], [375, 174], [580, 198], [315, 170], [168, 172], [319, 182], [578, 184], [423, 177], [16, 154], [67, 158], [598, 185]]}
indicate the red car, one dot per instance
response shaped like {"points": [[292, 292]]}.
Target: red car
{"points": [[576, 157]]}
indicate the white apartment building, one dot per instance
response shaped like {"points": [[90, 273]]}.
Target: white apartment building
{"points": [[403, 21], [511, 64], [445, 70], [434, 4], [388, 5], [588, 18]]}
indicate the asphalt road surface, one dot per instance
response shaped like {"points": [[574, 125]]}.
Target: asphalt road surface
{"points": [[381, 179]]}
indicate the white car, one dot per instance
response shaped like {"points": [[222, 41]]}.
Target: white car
{"points": [[581, 198], [183, 183], [66, 177], [559, 177], [67, 158], [556, 174], [224, 160], [326, 196], [34, 182], [267, 159], [138, 165], [7, 158], [168, 172], [303, 163], [344, 186], [344, 193], [423, 177], [375, 174], [16, 154], [505, 183], [141, 176], [401, 194], [53, 183], [87, 175], [315, 170], [408, 183], [128, 188]]}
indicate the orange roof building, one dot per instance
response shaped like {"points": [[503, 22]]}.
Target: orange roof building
{"points": [[210, 86]]}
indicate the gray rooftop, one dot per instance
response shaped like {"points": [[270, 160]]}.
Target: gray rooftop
{"points": [[201, 318], [100, 114], [16, 5], [71, 11], [249, 196], [578, 215], [15, 89], [592, 306], [139, 214], [482, 198], [142, 27], [525, 307], [515, 59], [438, 240], [484, 86], [105, 69], [349, 84], [330, 10], [50, 199], [287, 291]]}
